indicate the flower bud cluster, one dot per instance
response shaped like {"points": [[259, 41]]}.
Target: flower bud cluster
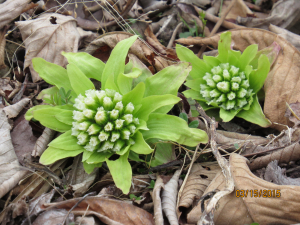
{"points": [[226, 86], [103, 122]]}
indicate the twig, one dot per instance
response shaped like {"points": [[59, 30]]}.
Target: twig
{"points": [[217, 26], [174, 35], [207, 215]]}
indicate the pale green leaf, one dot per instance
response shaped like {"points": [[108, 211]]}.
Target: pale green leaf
{"points": [[140, 146], [52, 155], [98, 157], [258, 77], [121, 172], [47, 118], [211, 61], [79, 81], [167, 127], [247, 56], [29, 113], [151, 103], [136, 95], [90, 167], [66, 142], [116, 62], [224, 46], [124, 150], [255, 114], [227, 115], [164, 152], [89, 65], [199, 68], [124, 84], [53, 74], [65, 117], [194, 95], [86, 154], [134, 156], [168, 80], [195, 83], [46, 93]]}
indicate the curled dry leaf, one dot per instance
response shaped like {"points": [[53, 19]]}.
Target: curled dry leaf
{"points": [[141, 50], [23, 140], [282, 83], [289, 36], [263, 210], [42, 142], [158, 215], [14, 110], [169, 197], [277, 175], [198, 180], [45, 37], [239, 9], [284, 14], [9, 164], [11, 9], [54, 216], [5, 87], [109, 211]]}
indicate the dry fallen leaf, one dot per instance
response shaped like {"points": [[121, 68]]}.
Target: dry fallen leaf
{"points": [[42, 142], [11, 9], [169, 197], [9, 164], [53, 217], [23, 140], [141, 50], [284, 14], [46, 37], [109, 211], [282, 83], [158, 215], [239, 9], [198, 180], [14, 110]]}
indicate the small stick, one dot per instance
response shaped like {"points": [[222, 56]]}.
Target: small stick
{"points": [[174, 35], [217, 26]]}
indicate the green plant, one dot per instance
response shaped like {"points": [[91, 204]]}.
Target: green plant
{"points": [[120, 119], [193, 124], [60, 98], [229, 82], [192, 31]]}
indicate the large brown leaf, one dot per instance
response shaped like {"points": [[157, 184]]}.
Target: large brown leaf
{"points": [[108, 211], [46, 37], [282, 84], [283, 209]]}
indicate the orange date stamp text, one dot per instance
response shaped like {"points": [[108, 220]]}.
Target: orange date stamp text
{"points": [[257, 193]]}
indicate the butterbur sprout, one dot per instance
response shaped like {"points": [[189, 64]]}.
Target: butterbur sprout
{"points": [[228, 82], [118, 119]]}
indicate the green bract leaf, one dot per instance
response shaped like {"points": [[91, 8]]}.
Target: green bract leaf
{"points": [[151, 103], [66, 142], [134, 156], [89, 65], [247, 56], [258, 77], [29, 113], [98, 158], [65, 117], [195, 84], [51, 155], [116, 62], [140, 146], [136, 95], [162, 126], [47, 93], [164, 152], [224, 47], [227, 115], [79, 81], [194, 124], [90, 167], [194, 95], [198, 66], [168, 80], [255, 114], [124, 84], [184, 116], [47, 118], [121, 173], [52, 74], [211, 61]]}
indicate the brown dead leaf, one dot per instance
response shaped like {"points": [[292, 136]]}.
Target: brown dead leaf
{"points": [[9, 164], [14, 110], [284, 14], [20, 208], [282, 83], [239, 9], [198, 180], [293, 115], [263, 210], [23, 140], [231, 210], [46, 37], [11, 9], [5, 87], [42, 142], [169, 197], [53, 217], [109, 211], [158, 215], [141, 50]]}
